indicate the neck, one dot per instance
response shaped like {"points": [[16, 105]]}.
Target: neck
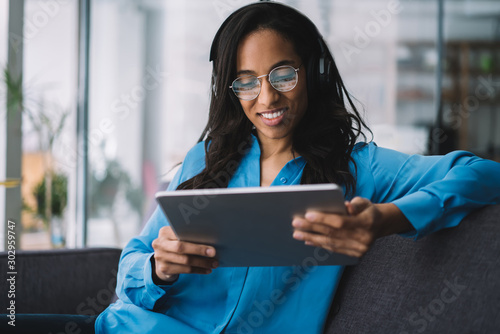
{"points": [[272, 148]]}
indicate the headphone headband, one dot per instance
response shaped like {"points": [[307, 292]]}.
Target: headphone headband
{"points": [[321, 66]]}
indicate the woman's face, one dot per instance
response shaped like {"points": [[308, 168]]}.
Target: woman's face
{"points": [[274, 114]]}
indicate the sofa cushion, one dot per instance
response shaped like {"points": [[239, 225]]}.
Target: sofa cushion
{"points": [[63, 281], [448, 282]]}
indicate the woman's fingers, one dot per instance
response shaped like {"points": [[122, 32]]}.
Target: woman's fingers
{"points": [[322, 222], [348, 230], [167, 241], [168, 269], [181, 247], [350, 234], [172, 256], [188, 260], [357, 205], [339, 245]]}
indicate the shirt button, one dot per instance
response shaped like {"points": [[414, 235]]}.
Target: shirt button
{"points": [[283, 180]]}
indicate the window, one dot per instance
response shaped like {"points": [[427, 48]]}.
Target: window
{"points": [[4, 31], [150, 87], [49, 79], [366, 38], [149, 95]]}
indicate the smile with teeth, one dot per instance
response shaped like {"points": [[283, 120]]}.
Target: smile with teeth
{"points": [[275, 114]]}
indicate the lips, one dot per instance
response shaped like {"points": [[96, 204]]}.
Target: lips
{"points": [[273, 117]]}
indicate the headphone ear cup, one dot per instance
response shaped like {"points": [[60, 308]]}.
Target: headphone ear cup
{"points": [[325, 81], [318, 74], [323, 70]]}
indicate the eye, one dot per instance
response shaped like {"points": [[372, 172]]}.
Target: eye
{"points": [[283, 74], [246, 81], [283, 78]]}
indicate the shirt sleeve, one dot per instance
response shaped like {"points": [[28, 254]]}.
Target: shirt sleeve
{"points": [[433, 192], [134, 280]]}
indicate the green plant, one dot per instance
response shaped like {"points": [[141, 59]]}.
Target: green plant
{"points": [[48, 120], [15, 100], [59, 196]]}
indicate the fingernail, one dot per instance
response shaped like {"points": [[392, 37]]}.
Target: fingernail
{"points": [[298, 235], [210, 252], [309, 243], [297, 223], [311, 216]]}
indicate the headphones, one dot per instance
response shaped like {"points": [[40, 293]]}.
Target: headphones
{"points": [[325, 64], [318, 70]]}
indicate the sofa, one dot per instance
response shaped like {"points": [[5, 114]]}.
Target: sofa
{"points": [[448, 282], [77, 282]]}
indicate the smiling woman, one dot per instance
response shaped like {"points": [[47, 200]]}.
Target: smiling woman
{"points": [[255, 44], [280, 115]]}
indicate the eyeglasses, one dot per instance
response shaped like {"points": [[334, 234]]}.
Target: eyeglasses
{"points": [[282, 78]]}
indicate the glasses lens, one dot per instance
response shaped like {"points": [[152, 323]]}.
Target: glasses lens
{"points": [[247, 87], [283, 78]]}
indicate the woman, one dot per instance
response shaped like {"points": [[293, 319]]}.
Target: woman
{"points": [[280, 114]]}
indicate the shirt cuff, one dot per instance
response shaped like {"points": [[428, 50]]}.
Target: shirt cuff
{"points": [[167, 282], [422, 209], [154, 291]]}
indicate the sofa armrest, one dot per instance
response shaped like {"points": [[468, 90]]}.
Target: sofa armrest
{"points": [[448, 282], [62, 281]]}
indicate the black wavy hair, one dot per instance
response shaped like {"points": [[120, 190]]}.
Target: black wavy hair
{"points": [[326, 135]]}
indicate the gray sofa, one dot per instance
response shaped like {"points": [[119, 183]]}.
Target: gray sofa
{"points": [[448, 282]]}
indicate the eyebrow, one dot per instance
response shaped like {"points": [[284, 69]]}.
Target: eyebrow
{"points": [[280, 63]]}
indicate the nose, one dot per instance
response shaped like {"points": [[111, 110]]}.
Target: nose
{"points": [[268, 95]]}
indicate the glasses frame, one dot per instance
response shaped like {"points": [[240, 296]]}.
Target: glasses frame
{"points": [[266, 75]]}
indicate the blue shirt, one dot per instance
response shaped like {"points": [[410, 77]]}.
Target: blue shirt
{"points": [[433, 192]]}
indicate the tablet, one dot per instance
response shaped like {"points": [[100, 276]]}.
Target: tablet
{"points": [[253, 226]]}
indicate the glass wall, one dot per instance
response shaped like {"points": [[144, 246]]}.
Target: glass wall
{"points": [[387, 53], [149, 94], [471, 78], [49, 42], [4, 32], [117, 94], [372, 43], [50, 76]]}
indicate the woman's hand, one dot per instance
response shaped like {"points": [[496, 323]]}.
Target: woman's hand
{"points": [[173, 257], [351, 234]]}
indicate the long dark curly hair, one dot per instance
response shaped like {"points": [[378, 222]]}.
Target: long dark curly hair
{"points": [[326, 135]]}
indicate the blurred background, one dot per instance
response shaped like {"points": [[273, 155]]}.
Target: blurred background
{"points": [[100, 99]]}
